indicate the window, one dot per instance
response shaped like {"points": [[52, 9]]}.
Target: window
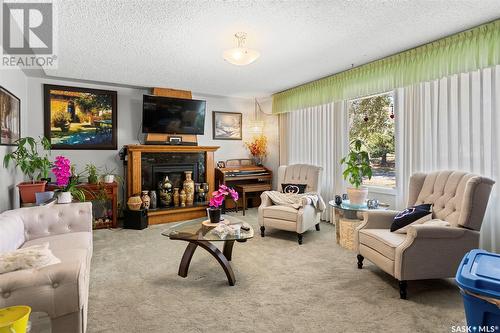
{"points": [[371, 120]]}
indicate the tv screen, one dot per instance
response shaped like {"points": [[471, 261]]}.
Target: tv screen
{"points": [[173, 115]]}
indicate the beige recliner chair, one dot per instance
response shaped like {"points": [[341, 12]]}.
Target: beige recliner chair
{"points": [[289, 218], [425, 251]]}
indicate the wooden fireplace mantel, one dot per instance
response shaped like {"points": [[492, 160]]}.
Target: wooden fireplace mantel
{"points": [[134, 179]]}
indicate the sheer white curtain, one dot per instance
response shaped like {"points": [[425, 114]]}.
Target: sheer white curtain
{"points": [[452, 123], [319, 136]]}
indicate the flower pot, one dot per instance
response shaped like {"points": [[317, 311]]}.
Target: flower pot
{"points": [[109, 179], [214, 214], [27, 190], [93, 179], [64, 198], [357, 196]]}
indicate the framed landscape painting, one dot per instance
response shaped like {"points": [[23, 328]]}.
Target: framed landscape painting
{"points": [[80, 118], [10, 117], [227, 125]]}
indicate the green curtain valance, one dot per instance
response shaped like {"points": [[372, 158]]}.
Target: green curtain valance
{"points": [[463, 52]]}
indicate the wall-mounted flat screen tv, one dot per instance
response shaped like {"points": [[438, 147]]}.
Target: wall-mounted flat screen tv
{"points": [[173, 115]]}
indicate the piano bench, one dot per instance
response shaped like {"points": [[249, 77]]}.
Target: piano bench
{"points": [[243, 189]]}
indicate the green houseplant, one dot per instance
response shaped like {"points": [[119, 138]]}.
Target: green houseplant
{"points": [[92, 173], [110, 175], [32, 163], [357, 163]]}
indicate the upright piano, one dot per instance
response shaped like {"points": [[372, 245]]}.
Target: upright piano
{"points": [[242, 172]]}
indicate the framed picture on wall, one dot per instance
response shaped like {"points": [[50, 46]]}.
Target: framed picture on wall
{"points": [[10, 117], [227, 125], [80, 118]]}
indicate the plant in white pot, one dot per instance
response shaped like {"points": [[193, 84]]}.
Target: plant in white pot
{"points": [[109, 176], [67, 181], [357, 164]]}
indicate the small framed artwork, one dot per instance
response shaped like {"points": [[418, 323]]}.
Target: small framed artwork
{"points": [[227, 125], [221, 164], [80, 118], [10, 117]]}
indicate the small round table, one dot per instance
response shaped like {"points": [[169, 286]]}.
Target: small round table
{"points": [[347, 219]]}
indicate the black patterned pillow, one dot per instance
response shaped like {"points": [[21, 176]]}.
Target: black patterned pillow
{"points": [[412, 215], [293, 188]]}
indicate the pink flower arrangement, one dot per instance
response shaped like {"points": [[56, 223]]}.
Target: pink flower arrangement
{"points": [[219, 196], [62, 170]]}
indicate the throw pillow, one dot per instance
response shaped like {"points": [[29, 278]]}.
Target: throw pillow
{"points": [[412, 215], [293, 188], [35, 256]]}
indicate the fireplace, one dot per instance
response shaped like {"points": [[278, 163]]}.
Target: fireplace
{"points": [[155, 166]]}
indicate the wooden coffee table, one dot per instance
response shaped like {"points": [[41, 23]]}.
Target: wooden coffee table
{"points": [[196, 235]]}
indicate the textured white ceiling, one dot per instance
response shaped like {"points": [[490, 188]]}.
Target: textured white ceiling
{"points": [[179, 44]]}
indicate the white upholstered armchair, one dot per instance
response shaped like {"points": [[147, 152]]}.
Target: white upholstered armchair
{"points": [[428, 251], [289, 218]]}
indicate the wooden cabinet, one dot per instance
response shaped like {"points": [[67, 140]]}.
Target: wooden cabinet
{"points": [[104, 197]]}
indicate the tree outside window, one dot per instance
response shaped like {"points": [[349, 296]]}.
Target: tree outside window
{"points": [[372, 121]]}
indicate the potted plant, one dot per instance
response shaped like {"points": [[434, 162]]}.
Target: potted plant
{"points": [[110, 175], [32, 164], [67, 181], [92, 173], [357, 164], [218, 197], [258, 149]]}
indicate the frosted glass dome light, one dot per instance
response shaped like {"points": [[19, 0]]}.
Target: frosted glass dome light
{"points": [[241, 55]]}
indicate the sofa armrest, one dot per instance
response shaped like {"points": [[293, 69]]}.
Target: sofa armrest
{"points": [[432, 231], [432, 252], [265, 201], [57, 289], [378, 219], [43, 221]]}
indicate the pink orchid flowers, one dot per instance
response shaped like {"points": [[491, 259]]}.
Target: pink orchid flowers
{"points": [[219, 196], [62, 170]]}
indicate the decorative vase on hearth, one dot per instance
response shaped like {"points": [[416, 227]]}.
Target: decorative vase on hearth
{"points": [[154, 200], [176, 197], [182, 198], [188, 187], [146, 200], [134, 202], [165, 191]]}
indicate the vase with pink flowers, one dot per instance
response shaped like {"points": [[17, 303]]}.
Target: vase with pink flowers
{"points": [[66, 181], [218, 197]]}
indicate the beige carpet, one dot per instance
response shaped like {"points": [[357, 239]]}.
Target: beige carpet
{"points": [[280, 287]]}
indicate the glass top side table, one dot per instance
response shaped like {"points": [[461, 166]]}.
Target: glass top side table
{"points": [[347, 218]]}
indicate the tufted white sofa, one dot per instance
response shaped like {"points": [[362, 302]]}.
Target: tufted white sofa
{"points": [[425, 251], [59, 290]]}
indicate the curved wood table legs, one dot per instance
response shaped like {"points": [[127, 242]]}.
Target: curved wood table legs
{"points": [[222, 257]]}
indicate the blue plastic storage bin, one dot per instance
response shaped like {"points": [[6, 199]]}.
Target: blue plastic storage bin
{"points": [[478, 277]]}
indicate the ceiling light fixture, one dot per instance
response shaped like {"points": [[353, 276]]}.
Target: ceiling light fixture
{"points": [[241, 55]]}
